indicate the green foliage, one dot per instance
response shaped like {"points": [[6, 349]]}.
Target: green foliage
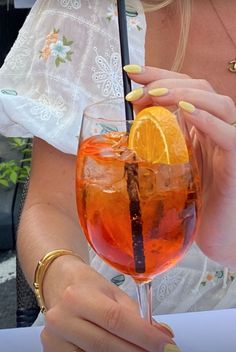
{"points": [[14, 171], [20, 144]]}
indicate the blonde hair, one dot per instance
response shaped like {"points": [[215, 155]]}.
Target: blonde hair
{"points": [[185, 9]]}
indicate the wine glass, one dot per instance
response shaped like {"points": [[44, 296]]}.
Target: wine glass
{"points": [[140, 217]]}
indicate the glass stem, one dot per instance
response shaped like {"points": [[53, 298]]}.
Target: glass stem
{"points": [[144, 292]]}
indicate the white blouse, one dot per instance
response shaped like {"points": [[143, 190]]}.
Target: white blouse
{"points": [[67, 56]]}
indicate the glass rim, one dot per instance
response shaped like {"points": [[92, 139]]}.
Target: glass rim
{"points": [[119, 100], [104, 102]]}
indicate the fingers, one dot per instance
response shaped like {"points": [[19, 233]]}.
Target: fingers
{"points": [[147, 74], [90, 337], [108, 325], [178, 83], [124, 323], [165, 88], [215, 104], [164, 327], [153, 77], [52, 343], [159, 89], [220, 132]]}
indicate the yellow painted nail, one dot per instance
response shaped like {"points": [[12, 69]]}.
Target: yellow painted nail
{"points": [[171, 348], [134, 94], [132, 68], [167, 327], [158, 92], [187, 106]]}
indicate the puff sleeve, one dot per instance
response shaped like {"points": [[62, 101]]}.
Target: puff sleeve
{"points": [[65, 57]]}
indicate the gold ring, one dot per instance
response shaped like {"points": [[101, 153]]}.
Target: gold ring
{"points": [[233, 124]]}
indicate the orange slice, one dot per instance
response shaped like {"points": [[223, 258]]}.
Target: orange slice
{"points": [[157, 138]]}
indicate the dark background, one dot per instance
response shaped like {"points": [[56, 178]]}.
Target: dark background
{"points": [[10, 22]]}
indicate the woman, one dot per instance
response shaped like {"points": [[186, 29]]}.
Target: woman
{"points": [[59, 84]]}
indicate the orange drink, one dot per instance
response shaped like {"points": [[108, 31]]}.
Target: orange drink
{"points": [[137, 189], [168, 200]]}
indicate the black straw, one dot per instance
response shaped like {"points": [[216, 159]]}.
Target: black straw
{"points": [[124, 48], [131, 169]]}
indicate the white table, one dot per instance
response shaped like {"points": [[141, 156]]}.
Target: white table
{"points": [[213, 331]]}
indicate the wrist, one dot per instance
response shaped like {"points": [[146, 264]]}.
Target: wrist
{"points": [[55, 272]]}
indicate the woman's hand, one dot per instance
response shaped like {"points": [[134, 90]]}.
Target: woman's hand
{"points": [[84, 309], [93, 314], [212, 115]]}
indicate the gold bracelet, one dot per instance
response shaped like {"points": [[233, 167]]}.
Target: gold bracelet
{"points": [[41, 270]]}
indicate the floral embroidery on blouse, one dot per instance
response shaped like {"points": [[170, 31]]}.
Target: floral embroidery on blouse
{"points": [[48, 107], [70, 4], [9, 92], [105, 128], [17, 59], [54, 46], [107, 74], [133, 18], [213, 277], [102, 128], [118, 280], [131, 13], [112, 12]]}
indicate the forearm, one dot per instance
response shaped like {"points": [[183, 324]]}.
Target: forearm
{"points": [[45, 227], [49, 221]]}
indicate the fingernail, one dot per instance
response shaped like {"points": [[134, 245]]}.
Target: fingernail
{"points": [[158, 92], [171, 348], [134, 94], [132, 68], [184, 105], [168, 328]]}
